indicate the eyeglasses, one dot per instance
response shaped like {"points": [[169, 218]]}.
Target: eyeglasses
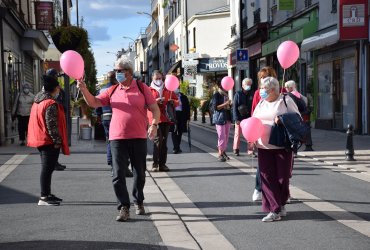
{"points": [[121, 70]]}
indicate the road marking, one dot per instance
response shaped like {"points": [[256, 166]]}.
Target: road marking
{"points": [[344, 217], [8, 167], [182, 226]]}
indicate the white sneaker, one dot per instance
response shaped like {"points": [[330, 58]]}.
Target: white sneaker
{"points": [[257, 196], [283, 212], [288, 200], [271, 217]]}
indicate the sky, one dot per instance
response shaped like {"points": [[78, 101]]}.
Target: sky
{"points": [[106, 22]]}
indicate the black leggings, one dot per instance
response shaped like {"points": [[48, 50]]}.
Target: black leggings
{"points": [[49, 157]]}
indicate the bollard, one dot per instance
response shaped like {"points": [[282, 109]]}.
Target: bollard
{"points": [[349, 145], [309, 139]]}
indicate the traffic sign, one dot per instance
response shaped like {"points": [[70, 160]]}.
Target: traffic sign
{"points": [[242, 55], [190, 56], [190, 63]]}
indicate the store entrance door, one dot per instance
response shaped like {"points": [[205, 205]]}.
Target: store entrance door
{"points": [[337, 94]]}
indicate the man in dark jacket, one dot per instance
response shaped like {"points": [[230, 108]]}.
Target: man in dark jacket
{"points": [[242, 107], [182, 119]]}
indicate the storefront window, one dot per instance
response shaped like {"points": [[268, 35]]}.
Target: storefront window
{"points": [[325, 109], [349, 87]]}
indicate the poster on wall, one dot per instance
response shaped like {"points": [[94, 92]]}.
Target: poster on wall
{"points": [[353, 19], [44, 15]]}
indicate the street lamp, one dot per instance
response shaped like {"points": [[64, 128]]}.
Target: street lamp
{"points": [[157, 28], [133, 40]]}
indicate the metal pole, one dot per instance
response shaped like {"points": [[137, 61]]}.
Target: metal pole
{"points": [[67, 104], [186, 26], [350, 152], [77, 13]]}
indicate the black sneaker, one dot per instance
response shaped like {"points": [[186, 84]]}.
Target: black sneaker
{"points": [[236, 152], [59, 167], [55, 198], [129, 173], [221, 158], [163, 168], [48, 201], [226, 157]]}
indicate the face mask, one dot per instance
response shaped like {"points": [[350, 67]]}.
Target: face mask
{"points": [[247, 88], [26, 91], [120, 77], [263, 94], [56, 95], [158, 82]]}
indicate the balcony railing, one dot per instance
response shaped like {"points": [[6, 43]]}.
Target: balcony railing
{"points": [[257, 16]]}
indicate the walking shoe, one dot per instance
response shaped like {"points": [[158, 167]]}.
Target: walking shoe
{"points": [[163, 168], [155, 168], [140, 210], [129, 173], [59, 167], [288, 201], [236, 152], [221, 158], [48, 201], [226, 157], [55, 198], [271, 217], [256, 195], [283, 212], [22, 144], [124, 214]]}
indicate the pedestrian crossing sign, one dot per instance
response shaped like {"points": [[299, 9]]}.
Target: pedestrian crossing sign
{"points": [[242, 55]]}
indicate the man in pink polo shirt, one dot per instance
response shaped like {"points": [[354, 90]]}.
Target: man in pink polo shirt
{"points": [[128, 132]]}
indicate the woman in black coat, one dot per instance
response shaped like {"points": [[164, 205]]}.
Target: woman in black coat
{"points": [[182, 119]]}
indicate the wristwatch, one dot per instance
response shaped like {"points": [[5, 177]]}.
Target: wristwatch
{"points": [[155, 125]]}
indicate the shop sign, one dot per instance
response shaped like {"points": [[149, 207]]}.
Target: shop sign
{"points": [[212, 64], [44, 15], [353, 19]]}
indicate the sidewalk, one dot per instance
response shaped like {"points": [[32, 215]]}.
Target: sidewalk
{"points": [[329, 147]]}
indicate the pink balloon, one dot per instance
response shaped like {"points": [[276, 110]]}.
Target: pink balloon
{"points": [[72, 64], [227, 83], [171, 82], [252, 129], [242, 123], [287, 54]]}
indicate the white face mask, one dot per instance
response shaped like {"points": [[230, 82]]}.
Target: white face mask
{"points": [[158, 82], [247, 87]]}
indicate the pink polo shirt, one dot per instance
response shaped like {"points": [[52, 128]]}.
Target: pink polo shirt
{"points": [[129, 120]]}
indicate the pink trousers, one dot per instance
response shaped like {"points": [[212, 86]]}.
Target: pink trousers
{"points": [[223, 135]]}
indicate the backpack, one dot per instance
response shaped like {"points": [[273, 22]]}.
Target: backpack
{"points": [[302, 107], [139, 85]]}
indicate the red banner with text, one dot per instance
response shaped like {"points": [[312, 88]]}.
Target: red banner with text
{"points": [[44, 15], [353, 19]]}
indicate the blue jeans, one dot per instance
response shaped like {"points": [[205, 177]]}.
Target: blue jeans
{"points": [[123, 151], [106, 124], [258, 180]]}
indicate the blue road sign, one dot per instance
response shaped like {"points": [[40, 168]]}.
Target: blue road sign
{"points": [[242, 55]]}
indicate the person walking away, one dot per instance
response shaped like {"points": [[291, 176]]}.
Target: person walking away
{"points": [[47, 131], [302, 104], [22, 110], [104, 114], [162, 96], [274, 162], [222, 118], [128, 131], [263, 73], [242, 107], [182, 120], [60, 99]]}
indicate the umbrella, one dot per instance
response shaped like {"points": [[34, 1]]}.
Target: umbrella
{"points": [[189, 136]]}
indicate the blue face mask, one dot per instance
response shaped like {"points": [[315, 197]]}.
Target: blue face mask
{"points": [[120, 77], [263, 94], [247, 88]]}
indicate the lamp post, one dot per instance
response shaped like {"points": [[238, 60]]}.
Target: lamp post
{"points": [[157, 28], [133, 40]]}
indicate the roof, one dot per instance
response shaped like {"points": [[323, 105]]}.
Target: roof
{"points": [[221, 9]]}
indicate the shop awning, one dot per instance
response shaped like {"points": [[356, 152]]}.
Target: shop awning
{"points": [[320, 41], [174, 67]]}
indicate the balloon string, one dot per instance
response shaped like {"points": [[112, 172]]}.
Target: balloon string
{"points": [[282, 84]]}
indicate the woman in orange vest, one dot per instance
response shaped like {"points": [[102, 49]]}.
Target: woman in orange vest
{"points": [[48, 133]]}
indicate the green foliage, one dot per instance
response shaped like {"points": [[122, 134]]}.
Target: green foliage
{"points": [[184, 87], [194, 102], [165, 4]]}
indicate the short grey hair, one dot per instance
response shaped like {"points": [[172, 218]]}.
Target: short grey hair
{"points": [[270, 83], [124, 63], [246, 80], [290, 84], [155, 72]]}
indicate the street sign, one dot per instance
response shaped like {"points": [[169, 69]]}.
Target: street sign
{"points": [[242, 65], [190, 63], [190, 56], [242, 55]]}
